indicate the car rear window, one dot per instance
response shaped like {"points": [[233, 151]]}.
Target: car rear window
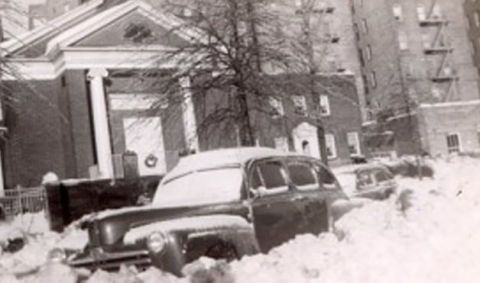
{"points": [[302, 175], [382, 176], [365, 179]]}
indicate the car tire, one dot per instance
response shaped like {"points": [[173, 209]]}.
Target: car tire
{"points": [[330, 222], [222, 250]]}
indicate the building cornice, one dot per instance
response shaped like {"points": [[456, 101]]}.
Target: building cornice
{"points": [[85, 58]]}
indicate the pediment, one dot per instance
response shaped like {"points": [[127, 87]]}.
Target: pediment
{"points": [[132, 23], [132, 29]]}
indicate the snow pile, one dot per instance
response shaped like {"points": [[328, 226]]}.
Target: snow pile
{"points": [[434, 240], [428, 232], [31, 233]]}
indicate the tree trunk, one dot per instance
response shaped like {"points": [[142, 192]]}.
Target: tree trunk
{"points": [[243, 120]]}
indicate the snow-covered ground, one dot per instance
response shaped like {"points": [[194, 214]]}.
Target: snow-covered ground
{"points": [[428, 232]]}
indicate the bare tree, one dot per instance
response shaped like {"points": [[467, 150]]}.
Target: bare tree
{"points": [[241, 51]]}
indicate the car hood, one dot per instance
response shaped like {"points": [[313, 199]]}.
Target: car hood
{"points": [[108, 230]]}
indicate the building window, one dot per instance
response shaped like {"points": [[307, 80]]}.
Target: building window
{"points": [[403, 40], [281, 143], [397, 12], [330, 145], [368, 53], [453, 143], [476, 18], [360, 57], [300, 104], [324, 105], [421, 13], [355, 30], [373, 79], [436, 12], [276, 107], [364, 26], [353, 143]]}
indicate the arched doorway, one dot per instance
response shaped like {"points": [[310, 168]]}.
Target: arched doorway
{"points": [[305, 140]]}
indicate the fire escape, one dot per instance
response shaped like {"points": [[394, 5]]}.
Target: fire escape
{"points": [[438, 51]]}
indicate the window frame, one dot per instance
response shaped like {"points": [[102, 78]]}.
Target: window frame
{"points": [[453, 149], [368, 53], [373, 79], [300, 101], [276, 105], [324, 104], [357, 143], [364, 26], [267, 192], [402, 40], [308, 187], [331, 137], [397, 11]]}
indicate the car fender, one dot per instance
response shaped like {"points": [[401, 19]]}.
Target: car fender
{"points": [[201, 231]]}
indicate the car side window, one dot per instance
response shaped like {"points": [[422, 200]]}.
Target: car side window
{"points": [[269, 177], [256, 181], [302, 175], [273, 175], [326, 178]]}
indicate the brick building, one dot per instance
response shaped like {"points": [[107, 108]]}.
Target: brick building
{"points": [[332, 35], [421, 82], [83, 105], [472, 12]]}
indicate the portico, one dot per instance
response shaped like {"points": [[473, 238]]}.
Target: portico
{"points": [[86, 67]]}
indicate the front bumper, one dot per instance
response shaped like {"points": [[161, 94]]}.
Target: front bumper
{"points": [[111, 261], [170, 259]]}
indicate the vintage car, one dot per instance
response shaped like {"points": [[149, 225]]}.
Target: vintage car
{"points": [[375, 182], [221, 204]]}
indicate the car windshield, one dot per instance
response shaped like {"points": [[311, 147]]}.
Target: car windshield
{"points": [[199, 187]]}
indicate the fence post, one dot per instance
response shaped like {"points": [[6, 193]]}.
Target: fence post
{"points": [[19, 200]]}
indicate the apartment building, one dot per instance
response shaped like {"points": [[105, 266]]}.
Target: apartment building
{"points": [[472, 12], [421, 81]]}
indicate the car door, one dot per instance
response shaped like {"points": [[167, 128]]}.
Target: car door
{"points": [[313, 198], [276, 215], [332, 192]]}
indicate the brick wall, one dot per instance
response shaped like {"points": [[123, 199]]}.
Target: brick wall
{"points": [[36, 141]]}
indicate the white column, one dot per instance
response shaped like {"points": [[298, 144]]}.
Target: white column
{"points": [[100, 122], [188, 111]]}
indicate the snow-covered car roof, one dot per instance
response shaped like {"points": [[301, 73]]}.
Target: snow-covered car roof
{"points": [[223, 157]]}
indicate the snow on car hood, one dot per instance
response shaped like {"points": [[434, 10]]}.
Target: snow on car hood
{"points": [[199, 223]]}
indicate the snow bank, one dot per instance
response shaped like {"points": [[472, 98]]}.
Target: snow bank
{"points": [[428, 232], [434, 240]]}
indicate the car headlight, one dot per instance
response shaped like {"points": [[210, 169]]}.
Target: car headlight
{"points": [[156, 242], [57, 255]]}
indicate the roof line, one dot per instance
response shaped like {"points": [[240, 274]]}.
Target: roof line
{"points": [[108, 16], [450, 104], [30, 37]]}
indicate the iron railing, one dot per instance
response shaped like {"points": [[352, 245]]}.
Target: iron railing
{"points": [[23, 200]]}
